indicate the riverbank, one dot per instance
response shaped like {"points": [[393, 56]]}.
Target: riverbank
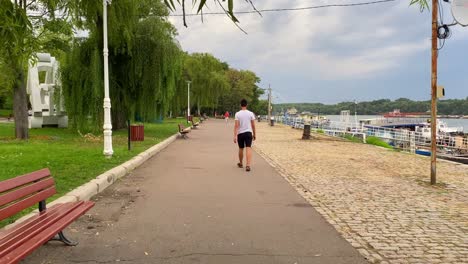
{"points": [[378, 199]]}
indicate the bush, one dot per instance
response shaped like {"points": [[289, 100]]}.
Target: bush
{"points": [[352, 138], [378, 142]]}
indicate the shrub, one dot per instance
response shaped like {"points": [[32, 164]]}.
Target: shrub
{"points": [[378, 142]]}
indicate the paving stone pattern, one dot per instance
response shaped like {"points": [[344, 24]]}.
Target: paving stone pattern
{"points": [[379, 200]]}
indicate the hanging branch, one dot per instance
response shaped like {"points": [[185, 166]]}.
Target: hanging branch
{"points": [[254, 8], [183, 12], [230, 14]]}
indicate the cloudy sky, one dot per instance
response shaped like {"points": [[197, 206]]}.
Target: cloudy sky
{"points": [[334, 54]]}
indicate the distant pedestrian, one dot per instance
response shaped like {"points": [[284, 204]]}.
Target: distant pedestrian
{"points": [[226, 116], [244, 133]]}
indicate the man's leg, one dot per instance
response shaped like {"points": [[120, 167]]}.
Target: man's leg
{"points": [[248, 149], [241, 155], [241, 144], [248, 152]]}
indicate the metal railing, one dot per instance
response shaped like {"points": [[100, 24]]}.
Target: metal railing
{"points": [[398, 138]]}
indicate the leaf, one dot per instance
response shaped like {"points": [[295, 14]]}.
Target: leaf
{"points": [[231, 11], [423, 4], [170, 4], [202, 4]]}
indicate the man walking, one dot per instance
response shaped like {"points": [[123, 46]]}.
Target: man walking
{"points": [[244, 133], [226, 116]]}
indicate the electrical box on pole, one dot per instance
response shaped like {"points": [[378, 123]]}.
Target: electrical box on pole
{"points": [[440, 91]]}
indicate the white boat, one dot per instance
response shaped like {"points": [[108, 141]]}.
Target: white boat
{"points": [[442, 129]]}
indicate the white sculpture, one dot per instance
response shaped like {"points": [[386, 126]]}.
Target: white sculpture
{"points": [[44, 108]]}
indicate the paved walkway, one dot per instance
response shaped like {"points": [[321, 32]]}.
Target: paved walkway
{"points": [[191, 204]]}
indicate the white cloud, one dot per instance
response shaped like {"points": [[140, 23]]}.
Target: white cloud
{"points": [[353, 43], [338, 43]]}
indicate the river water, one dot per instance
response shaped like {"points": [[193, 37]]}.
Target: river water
{"points": [[450, 122]]}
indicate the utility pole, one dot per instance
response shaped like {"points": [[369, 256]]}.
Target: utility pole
{"points": [[188, 100], [269, 103], [435, 8], [108, 151], [355, 113]]}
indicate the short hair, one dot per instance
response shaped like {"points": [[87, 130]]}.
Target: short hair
{"points": [[243, 103]]}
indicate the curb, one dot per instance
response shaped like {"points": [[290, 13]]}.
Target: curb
{"points": [[106, 179]]}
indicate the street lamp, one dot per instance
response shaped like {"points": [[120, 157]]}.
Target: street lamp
{"points": [[107, 103], [188, 100]]}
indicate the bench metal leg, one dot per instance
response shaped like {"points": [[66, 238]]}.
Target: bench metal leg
{"points": [[61, 237]]}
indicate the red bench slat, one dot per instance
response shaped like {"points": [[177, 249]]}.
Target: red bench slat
{"points": [[32, 224], [18, 206], [25, 191], [24, 179], [4, 233], [26, 248], [15, 242]]}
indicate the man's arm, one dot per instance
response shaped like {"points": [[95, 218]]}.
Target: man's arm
{"points": [[253, 129], [236, 126]]}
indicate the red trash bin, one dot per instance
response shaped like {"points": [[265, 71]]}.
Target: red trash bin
{"points": [[137, 132]]}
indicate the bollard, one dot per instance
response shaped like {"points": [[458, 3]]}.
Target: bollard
{"points": [[272, 121], [129, 138], [306, 133]]}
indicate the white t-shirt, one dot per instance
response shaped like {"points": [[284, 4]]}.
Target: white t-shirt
{"points": [[244, 117]]}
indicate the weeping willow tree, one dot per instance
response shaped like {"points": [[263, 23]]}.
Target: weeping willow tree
{"points": [[155, 70], [145, 64], [209, 81]]}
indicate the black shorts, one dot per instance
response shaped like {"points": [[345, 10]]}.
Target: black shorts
{"points": [[244, 140]]}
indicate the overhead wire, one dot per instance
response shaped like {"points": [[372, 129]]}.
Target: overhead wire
{"points": [[290, 9], [259, 11]]}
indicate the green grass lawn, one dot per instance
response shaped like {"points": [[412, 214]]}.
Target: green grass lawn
{"points": [[73, 159], [5, 112]]}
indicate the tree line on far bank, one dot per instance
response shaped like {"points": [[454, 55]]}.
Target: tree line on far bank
{"points": [[376, 107]]}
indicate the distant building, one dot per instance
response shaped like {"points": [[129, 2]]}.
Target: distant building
{"points": [[292, 111]]}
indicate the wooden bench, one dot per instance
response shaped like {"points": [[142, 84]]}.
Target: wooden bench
{"points": [[23, 192], [183, 131], [194, 125]]}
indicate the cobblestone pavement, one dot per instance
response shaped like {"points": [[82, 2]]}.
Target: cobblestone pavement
{"points": [[378, 199]]}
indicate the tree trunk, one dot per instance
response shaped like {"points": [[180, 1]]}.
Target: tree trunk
{"points": [[20, 106], [119, 120], [198, 106]]}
